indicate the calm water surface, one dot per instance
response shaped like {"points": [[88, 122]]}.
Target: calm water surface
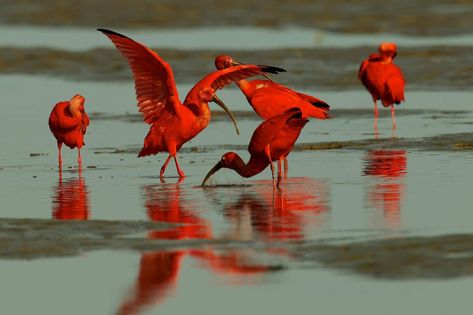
{"points": [[330, 194]]}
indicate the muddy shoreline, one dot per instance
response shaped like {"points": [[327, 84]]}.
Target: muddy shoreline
{"points": [[427, 68], [424, 257], [444, 17]]}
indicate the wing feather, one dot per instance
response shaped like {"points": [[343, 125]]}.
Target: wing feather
{"points": [[154, 80]]}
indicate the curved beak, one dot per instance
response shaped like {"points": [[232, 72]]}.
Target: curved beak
{"points": [[236, 63], [211, 172], [225, 108]]}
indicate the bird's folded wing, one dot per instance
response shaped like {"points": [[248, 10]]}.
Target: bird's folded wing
{"points": [[85, 122], [154, 80], [268, 130]]}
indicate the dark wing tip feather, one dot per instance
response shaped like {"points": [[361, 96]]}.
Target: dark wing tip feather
{"points": [[109, 32], [271, 69], [321, 105]]}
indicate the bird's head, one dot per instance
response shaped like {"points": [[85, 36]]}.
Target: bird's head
{"points": [[225, 61], [227, 161], [208, 95], [76, 104], [388, 51]]}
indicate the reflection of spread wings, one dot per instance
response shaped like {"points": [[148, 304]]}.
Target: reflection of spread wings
{"points": [[269, 129], [154, 81]]}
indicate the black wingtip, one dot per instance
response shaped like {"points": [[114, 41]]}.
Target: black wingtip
{"points": [[295, 111], [271, 69], [321, 105], [109, 32]]}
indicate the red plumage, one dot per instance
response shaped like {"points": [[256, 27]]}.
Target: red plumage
{"points": [[68, 122], [173, 123], [383, 79]]}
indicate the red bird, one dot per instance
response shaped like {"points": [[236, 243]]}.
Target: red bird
{"points": [[271, 141], [383, 79], [174, 123], [68, 123], [269, 98]]}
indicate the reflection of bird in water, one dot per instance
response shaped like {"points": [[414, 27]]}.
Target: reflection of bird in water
{"points": [[385, 191], [159, 270], [157, 276], [70, 200], [282, 214]]}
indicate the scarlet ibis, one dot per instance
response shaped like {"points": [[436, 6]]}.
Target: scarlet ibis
{"points": [[383, 79], [174, 123], [269, 98], [68, 122], [271, 141]]}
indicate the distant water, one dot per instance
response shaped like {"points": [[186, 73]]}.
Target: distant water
{"points": [[244, 38]]}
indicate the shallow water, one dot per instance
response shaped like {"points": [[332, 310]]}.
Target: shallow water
{"points": [[242, 38], [358, 209]]}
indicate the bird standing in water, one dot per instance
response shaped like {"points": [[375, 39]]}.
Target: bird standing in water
{"points": [[174, 123], [268, 98], [68, 123], [383, 79], [271, 141]]}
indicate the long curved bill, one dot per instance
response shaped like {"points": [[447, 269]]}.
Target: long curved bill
{"points": [[225, 108], [211, 172], [236, 63]]}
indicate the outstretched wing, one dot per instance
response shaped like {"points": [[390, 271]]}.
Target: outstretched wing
{"points": [[154, 81], [218, 79]]}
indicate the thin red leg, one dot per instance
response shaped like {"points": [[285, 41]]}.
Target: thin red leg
{"points": [[280, 166], [286, 166], [59, 146], [375, 116], [79, 158], [165, 165], [179, 170], [267, 150], [393, 116]]}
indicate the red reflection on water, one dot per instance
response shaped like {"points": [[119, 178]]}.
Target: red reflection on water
{"points": [[159, 271], [282, 213], [386, 191], [71, 199]]}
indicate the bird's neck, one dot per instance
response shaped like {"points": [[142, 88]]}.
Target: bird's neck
{"points": [[74, 109], [253, 167], [246, 88], [386, 60]]}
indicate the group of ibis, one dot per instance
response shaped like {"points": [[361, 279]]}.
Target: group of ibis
{"points": [[173, 123]]}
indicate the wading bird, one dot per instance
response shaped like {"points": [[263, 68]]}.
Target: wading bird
{"points": [[269, 98], [271, 141], [68, 123], [383, 79], [174, 123]]}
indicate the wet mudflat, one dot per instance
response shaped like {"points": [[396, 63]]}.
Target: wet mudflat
{"points": [[381, 221]]}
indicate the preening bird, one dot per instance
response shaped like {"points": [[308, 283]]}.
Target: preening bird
{"points": [[271, 141], [68, 122], [383, 79], [174, 123]]}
